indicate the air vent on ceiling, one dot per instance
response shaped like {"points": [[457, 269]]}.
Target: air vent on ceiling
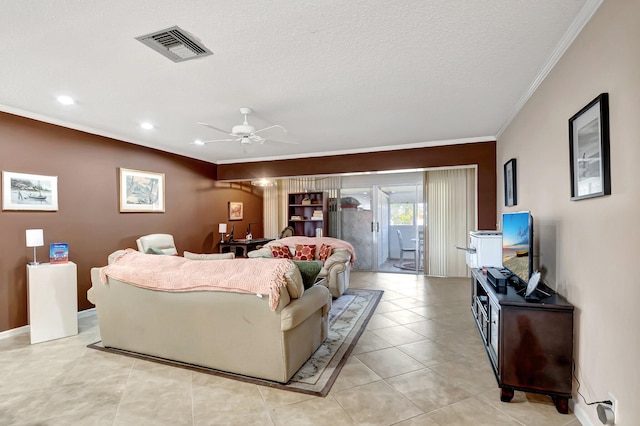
{"points": [[176, 44]]}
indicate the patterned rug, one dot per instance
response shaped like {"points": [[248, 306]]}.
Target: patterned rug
{"points": [[348, 318]]}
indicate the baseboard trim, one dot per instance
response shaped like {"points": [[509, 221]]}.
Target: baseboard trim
{"points": [[14, 332], [26, 328], [86, 313], [581, 414]]}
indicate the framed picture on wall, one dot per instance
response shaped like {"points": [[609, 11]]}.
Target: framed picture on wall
{"points": [[589, 150], [141, 192], [510, 188], [235, 211], [22, 191]]}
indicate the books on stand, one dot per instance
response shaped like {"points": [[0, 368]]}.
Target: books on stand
{"points": [[58, 253], [317, 215]]}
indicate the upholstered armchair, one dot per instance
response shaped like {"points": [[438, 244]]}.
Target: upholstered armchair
{"points": [[157, 244]]}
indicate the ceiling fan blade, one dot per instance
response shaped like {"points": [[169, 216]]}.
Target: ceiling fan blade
{"points": [[214, 128], [218, 140], [270, 127], [290, 143]]}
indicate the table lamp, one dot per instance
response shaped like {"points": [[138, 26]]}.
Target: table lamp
{"points": [[222, 229], [35, 238]]}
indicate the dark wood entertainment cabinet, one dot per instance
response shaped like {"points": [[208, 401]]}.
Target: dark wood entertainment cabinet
{"points": [[529, 343]]}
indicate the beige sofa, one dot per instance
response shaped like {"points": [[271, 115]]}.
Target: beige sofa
{"points": [[336, 269], [232, 332]]}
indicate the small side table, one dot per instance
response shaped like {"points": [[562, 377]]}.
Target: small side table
{"points": [[52, 301]]}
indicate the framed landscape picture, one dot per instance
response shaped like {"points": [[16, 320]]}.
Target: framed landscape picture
{"points": [[141, 192], [235, 211], [589, 150], [22, 191]]}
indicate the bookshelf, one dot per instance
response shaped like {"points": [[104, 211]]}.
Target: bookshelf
{"points": [[307, 212]]}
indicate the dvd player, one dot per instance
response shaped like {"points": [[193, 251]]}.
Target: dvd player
{"points": [[496, 278]]}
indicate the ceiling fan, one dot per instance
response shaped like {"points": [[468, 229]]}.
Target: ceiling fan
{"points": [[244, 133]]}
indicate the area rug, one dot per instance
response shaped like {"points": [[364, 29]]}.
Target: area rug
{"points": [[410, 266], [348, 319]]}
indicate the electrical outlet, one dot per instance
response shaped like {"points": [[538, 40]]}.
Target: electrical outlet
{"points": [[614, 407]]}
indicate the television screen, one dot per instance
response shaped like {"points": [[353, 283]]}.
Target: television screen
{"points": [[517, 244]]}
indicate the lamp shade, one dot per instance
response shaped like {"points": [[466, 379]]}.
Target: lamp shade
{"points": [[35, 238], [222, 228]]}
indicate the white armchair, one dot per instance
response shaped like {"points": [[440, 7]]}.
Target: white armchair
{"points": [[157, 244]]}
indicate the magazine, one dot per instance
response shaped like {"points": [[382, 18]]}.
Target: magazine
{"points": [[59, 253]]}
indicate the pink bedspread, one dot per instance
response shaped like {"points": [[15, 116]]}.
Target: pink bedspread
{"points": [[173, 273], [333, 242]]}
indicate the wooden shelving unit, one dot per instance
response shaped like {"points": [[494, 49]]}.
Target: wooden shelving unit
{"points": [[307, 212]]}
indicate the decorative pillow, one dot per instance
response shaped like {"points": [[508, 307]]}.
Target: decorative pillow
{"points": [[213, 256], [309, 269], [325, 252], [154, 250], [305, 252], [280, 252]]}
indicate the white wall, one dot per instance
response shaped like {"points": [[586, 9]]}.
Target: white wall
{"points": [[589, 248]]}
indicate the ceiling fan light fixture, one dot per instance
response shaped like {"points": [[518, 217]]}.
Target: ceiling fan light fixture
{"points": [[263, 182]]}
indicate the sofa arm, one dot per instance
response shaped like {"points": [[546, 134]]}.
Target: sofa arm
{"points": [[261, 252], [298, 310], [339, 259]]}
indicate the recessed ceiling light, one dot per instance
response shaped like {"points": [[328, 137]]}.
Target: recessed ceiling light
{"points": [[146, 125], [65, 100], [198, 142]]}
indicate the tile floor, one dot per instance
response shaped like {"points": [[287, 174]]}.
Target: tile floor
{"points": [[420, 362]]}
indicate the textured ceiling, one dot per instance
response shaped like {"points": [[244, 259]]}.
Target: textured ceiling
{"points": [[341, 76]]}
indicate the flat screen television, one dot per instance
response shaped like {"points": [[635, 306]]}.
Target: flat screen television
{"points": [[517, 244]]}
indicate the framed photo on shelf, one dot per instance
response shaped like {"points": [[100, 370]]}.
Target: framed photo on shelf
{"points": [[141, 192], [589, 150], [235, 211], [510, 188], [22, 191]]}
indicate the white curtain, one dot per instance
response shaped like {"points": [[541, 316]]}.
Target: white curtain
{"points": [[451, 206]]}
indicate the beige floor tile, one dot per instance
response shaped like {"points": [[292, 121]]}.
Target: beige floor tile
{"points": [[370, 342], [403, 317], [23, 406], [471, 412], [213, 394], [62, 382], [398, 335], [277, 398], [389, 362], [376, 404], [380, 321], [467, 343], [354, 373], [430, 329], [421, 420], [429, 353], [150, 396], [313, 412], [528, 408], [427, 389], [408, 302], [473, 376], [234, 418], [384, 306]]}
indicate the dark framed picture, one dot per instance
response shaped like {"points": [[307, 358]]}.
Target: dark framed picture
{"points": [[235, 211], [589, 150], [510, 189]]}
